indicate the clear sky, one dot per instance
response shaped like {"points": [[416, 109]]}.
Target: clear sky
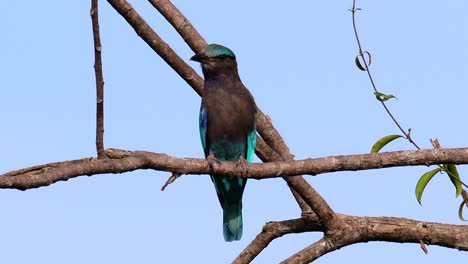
{"points": [[298, 61]]}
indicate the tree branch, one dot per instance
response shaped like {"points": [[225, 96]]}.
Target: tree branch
{"points": [[183, 26], [158, 44], [121, 161], [94, 12], [265, 153], [273, 230], [356, 229]]}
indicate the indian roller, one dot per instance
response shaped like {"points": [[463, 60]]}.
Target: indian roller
{"points": [[227, 128]]}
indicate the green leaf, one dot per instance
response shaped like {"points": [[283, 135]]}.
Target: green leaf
{"points": [[454, 178], [382, 142], [423, 181], [358, 58], [460, 209], [383, 97], [358, 63]]}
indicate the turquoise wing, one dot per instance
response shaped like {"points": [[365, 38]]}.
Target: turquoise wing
{"points": [[202, 125], [251, 143]]}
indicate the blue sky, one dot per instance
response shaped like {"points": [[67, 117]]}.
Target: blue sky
{"points": [[297, 60]]}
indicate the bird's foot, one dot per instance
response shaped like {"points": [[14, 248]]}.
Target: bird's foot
{"points": [[212, 161], [242, 167]]}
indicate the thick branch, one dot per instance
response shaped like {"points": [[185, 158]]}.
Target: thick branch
{"points": [[183, 26], [355, 229], [99, 80], [158, 44], [123, 161], [312, 252], [265, 153], [316, 202]]}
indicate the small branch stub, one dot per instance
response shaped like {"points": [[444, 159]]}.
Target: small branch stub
{"points": [[423, 246], [170, 180]]}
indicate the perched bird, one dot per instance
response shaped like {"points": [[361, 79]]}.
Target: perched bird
{"points": [[227, 128]]}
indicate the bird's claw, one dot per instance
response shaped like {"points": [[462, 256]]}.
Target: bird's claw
{"points": [[212, 161], [242, 166]]}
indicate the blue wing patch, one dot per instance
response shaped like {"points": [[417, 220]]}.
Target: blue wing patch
{"points": [[202, 125], [251, 143]]}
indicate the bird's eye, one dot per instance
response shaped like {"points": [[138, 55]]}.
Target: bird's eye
{"points": [[222, 57]]}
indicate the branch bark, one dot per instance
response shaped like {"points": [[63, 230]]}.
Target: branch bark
{"points": [[356, 229], [94, 12], [158, 44], [121, 161], [273, 230], [183, 26]]}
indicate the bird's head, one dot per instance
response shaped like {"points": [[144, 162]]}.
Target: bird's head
{"points": [[213, 52], [215, 57]]}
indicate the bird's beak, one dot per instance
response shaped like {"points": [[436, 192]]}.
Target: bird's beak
{"points": [[198, 57]]}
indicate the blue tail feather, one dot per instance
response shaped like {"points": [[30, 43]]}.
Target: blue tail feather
{"points": [[232, 220]]}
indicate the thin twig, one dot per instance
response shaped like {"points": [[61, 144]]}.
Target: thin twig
{"points": [[436, 144], [170, 180], [465, 197], [423, 247], [99, 80], [366, 68]]}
